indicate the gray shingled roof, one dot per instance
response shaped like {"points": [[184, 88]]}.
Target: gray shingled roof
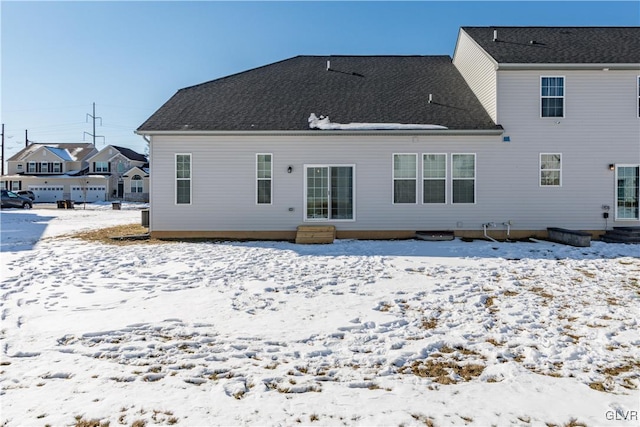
{"points": [[560, 45], [130, 154], [364, 89]]}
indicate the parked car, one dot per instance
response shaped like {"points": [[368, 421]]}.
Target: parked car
{"points": [[12, 200], [27, 193]]}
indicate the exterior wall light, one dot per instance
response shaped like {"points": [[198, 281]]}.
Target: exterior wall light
{"points": [[290, 169], [612, 167]]}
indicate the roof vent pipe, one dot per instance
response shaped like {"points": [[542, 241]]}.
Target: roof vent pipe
{"points": [[430, 98], [328, 65], [495, 35]]}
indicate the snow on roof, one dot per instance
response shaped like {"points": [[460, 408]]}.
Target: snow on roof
{"points": [[63, 153], [324, 123]]}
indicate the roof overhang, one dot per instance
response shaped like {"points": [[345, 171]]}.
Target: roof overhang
{"points": [[546, 66], [325, 133]]}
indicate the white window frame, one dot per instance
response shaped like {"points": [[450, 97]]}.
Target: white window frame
{"points": [[445, 178], [540, 170], [139, 187], [31, 167], [270, 179], [56, 167], [102, 167], [19, 167], [353, 195], [393, 178], [15, 186], [190, 179], [618, 166], [44, 167], [563, 97], [474, 179]]}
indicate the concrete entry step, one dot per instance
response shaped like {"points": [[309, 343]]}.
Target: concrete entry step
{"points": [[569, 237], [315, 234]]}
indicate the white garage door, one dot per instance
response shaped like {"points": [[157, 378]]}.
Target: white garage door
{"points": [[94, 193], [47, 193]]}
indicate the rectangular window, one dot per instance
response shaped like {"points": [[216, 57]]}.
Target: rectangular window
{"points": [[627, 185], [329, 192], [15, 185], [102, 167], [463, 178], [183, 179], [44, 167], [56, 167], [31, 167], [264, 172], [550, 170], [405, 178], [552, 96], [19, 167], [136, 184], [434, 176]]}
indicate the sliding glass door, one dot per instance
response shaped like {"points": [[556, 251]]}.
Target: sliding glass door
{"points": [[329, 193]]}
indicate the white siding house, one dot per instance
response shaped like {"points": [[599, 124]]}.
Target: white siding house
{"points": [[525, 139]]}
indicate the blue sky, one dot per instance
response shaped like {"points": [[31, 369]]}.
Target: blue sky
{"points": [[130, 57]]}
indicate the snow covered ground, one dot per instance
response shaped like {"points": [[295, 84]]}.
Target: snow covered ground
{"points": [[273, 333]]}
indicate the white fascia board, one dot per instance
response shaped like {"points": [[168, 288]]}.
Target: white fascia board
{"points": [[324, 133], [548, 66]]}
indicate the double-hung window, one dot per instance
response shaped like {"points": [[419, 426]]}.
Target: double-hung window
{"points": [[44, 167], [31, 167], [552, 96], [102, 167], [183, 179], [56, 167], [434, 176], [550, 170], [136, 184], [264, 172], [463, 178], [405, 178]]}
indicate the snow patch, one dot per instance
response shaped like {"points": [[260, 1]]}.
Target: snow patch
{"points": [[323, 123]]}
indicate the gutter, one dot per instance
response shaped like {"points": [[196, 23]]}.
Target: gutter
{"points": [[548, 66], [320, 133]]}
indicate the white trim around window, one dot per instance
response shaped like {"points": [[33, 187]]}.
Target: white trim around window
{"points": [[434, 178], [550, 168], [404, 176], [329, 193], [463, 178], [264, 178], [627, 192], [552, 97], [183, 176]]}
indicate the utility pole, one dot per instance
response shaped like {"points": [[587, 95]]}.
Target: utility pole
{"points": [[26, 138], [2, 150], [93, 117]]}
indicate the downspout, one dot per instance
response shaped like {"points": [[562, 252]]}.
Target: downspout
{"points": [[485, 226], [508, 225]]}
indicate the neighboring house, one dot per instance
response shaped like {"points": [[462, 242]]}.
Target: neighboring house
{"points": [[114, 163], [54, 172], [70, 171], [526, 128], [136, 184]]}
